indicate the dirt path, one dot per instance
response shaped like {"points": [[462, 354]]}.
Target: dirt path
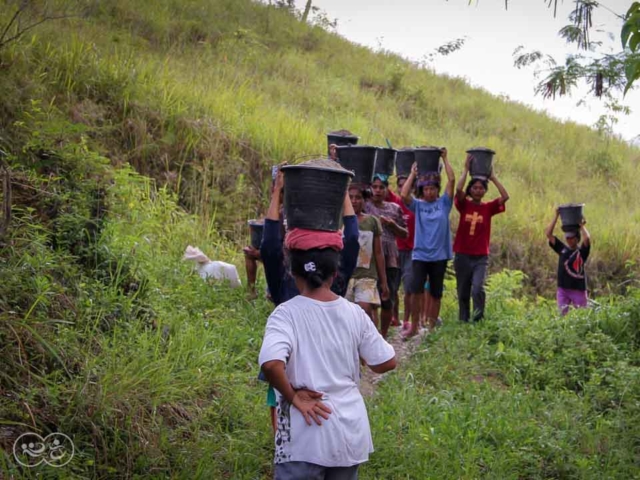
{"points": [[369, 379]]}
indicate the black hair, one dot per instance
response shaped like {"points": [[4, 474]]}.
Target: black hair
{"points": [[473, 181], [364, 190], [315, 266]]}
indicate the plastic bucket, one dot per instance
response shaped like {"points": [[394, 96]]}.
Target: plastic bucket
{"points": [[404, 161], [385, 161], [482, 161], [360, 159], [313, 196], [340, 140], [257, 228], [428, 160], [571, 216]]}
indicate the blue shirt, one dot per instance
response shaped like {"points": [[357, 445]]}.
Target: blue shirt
{"points": [[432, 241]]}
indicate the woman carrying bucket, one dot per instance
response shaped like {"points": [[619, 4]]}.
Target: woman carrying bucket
{"points": [[471, 245], [393, 226], [432, 244], [313, 345], [363, 286], [572, 279], [281, 284]]}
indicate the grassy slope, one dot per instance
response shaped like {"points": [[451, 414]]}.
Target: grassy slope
{"points": [[107, 336], [202, 93]]}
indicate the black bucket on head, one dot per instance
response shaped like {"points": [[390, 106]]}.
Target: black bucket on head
{"points": [[314, 195], [482, 161], [385, 161], [404, 161], [360, 159], [428, 160], [571, 216], [340, 140], [257, 228]]}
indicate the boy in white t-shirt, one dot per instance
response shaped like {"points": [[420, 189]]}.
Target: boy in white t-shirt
{"points": [[311, 354]]}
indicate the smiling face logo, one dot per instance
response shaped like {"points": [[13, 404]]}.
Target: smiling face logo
{"points": [[56, 449]]}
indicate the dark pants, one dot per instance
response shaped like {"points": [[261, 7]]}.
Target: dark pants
{"points": [[311, 471], [393, 283], [471, 271], [432, 271]]}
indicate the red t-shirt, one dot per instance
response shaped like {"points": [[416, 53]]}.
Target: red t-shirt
{"points": [[404, 244], [474, 229]]}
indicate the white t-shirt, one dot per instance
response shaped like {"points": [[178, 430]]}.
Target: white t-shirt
{"points": [[323, 342]]}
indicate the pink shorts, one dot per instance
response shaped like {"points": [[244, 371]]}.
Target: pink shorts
{"points": [[571, 298]]}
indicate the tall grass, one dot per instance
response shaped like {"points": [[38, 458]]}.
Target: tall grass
{"points": [[206, 97]]}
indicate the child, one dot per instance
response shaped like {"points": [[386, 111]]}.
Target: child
{"points": [[572, 279], [311, 354], [471, 245], [393, 225], [370, 268], [432, 245]]}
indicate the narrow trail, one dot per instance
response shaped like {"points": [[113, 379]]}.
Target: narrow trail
{"points": [[369, 380]]}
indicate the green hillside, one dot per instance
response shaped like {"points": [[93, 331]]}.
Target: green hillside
{"points": [[149, 125], [205, 96]]}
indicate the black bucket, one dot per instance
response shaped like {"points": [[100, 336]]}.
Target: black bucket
{"points": [[428, 160], [360, 159], [340, 140], [385, 161], [404, 161], [314, 195], [257, 228], [571, 216], [481, 163]]}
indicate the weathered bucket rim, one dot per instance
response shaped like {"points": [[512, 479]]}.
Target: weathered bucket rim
{"points": [[329, 134], [427, 149], [324, 169], [342, 147], [481, 149], [571, 205], [255, 222]]}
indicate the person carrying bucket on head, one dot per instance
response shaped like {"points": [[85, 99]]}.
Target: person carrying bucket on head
{"points": [[471, 244], [393, 226], [432, 244], [311, 354], [572, 279], [405, 251], [363, 286]]}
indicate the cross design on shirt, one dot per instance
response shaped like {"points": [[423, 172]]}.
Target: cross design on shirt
{"points": [[474, 219]]}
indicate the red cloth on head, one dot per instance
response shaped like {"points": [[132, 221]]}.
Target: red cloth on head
{"points": [[301, 239]]}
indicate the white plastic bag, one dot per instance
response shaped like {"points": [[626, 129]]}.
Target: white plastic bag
{"points": [[212, 269]]}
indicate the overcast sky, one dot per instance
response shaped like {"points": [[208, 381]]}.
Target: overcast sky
{"points": [[414, 28]]}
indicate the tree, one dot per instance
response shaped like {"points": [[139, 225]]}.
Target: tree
{"points": [[21, 16], [605, 73]]}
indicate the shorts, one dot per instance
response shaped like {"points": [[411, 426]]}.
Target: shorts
{"points": [[363, 290], [393, 282], [311, 471], [432, 271], [404, 261]]}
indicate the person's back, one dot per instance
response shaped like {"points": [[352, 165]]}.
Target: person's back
{"points": [[324, 341], [310, 354]]}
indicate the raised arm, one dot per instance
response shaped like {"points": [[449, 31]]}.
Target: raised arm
{"points": [[408, 185], [584, 233], [451, 177], [504, 196], [460, 193], [347, 207], [549, 230], [274, 207]]}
